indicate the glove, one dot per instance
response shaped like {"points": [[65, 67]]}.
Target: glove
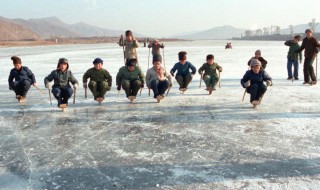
{"points": [[142, 85], [220, 70], [170, 85], [247, 84], [172, 74], [75, 86], [119, 87], [269, 83], [85, 85], [48, 86], [297, 51]]}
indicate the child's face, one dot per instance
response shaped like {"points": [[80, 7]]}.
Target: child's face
{"points": [[256, 69], [63, 66], [308, 34], [210, 61], [17, 66], [129, 38], [157, 65], [98, 66], [131, 68], [257, 55]]}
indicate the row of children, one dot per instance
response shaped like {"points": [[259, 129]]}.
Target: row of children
{"points": [[131, 78]]}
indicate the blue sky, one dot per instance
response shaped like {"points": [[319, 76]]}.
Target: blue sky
{"points": [[166, 17]]}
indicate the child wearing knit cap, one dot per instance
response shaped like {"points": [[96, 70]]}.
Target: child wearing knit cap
{"points": [[20, 79], [100, 80], [253, 82], [257, 55]]}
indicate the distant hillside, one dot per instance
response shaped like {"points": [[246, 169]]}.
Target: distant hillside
{"points": [[221, 32], [10, 31]]}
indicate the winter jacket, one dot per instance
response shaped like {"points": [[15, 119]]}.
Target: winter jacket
{"points": [[23, 74], [155, 48], [292, 55], [210, 70], [183, 69], [153, 75], [61, 79], [310, 45], [125, 74], [255, 78], [262, 60], [97, 75], [130, 51]]}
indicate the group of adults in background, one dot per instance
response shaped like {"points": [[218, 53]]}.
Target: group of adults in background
{"points": [[131, 78]]}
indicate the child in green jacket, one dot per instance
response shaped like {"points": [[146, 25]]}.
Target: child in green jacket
{"points": [[210, 76], [100, 80]]}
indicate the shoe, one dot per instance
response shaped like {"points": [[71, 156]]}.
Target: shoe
{"points": [[289, 78], [296, 78], [306, 83], [313, 82]]}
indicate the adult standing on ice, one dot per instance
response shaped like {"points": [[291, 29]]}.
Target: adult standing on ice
{"points": [[158, 78], [20, 79], [310, 46], [183, 76], [130, 44], [131, 78], [210, 76], [253, 82], [62, 78], [257, 55], [293, 57], [100, 80]]}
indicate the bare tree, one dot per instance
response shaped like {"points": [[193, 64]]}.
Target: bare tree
{"points": [[258, 32], [277, 30], [248, 33], [291, 29], [266, 31], [313, 24]]}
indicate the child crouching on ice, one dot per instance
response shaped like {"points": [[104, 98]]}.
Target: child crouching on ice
{"points": [[253, 82], [62, 78], [210, 76], [100, 80], [158, 78]]}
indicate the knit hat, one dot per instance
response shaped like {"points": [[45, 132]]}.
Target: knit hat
{"points": [[255, 62], [16, 60], [308, 30], [63, 60], [257, 52], [131, 62], [156, 58], [97, 61]]}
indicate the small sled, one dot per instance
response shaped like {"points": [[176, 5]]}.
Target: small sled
{"points": [[131, 98], [63, 106]]}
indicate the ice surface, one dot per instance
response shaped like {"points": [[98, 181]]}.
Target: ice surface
{"points": [[188, 141]]}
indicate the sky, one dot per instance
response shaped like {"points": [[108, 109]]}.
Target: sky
{"points": [[164, 18]]}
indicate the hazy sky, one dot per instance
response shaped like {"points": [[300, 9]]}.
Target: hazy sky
{"points": [[162, 18]]}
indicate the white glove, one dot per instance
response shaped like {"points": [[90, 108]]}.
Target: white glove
{"points": [[48, 86], [247, 84], [75, 86], [269, 83]]}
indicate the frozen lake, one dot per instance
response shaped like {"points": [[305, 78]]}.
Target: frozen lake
{"points": [[188, 141]]}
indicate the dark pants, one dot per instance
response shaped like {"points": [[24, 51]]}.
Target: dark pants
{"points": [[131, 87], [295, 65], [211, 81], [21, 87], [62, 94], [159, 87], [256, 91], [98, 88], [308, 70], [183, 80]]}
